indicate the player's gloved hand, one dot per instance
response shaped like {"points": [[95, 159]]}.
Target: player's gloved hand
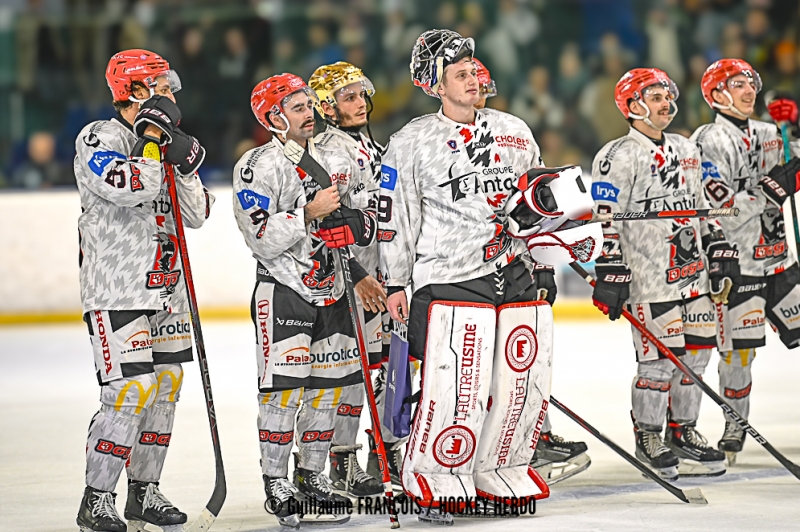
{"points": [[723, 270], [611, 288], [545, 278], [783, 109], [185, 152], [162, 113], [781, 182], [345, 226]]}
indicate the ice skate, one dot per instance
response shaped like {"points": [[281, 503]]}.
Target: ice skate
{"points": [[556, 459], [651, 450], [347, 476], [435, 516], [732, 441], [394, 458], [697, 459], [281, 501], [147, 505], [327, 507], [98, 512]]}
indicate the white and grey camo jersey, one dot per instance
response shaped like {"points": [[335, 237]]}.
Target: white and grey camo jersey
{"points": [[444, 185], [367, 158], [269, 195], [733, 161], [129, 255], [666, 258]]}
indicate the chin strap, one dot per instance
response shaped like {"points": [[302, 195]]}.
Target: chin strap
{"points": [[730, 107], [673, 110]]}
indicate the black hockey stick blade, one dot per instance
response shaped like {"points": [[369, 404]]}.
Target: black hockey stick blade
{"points": [[692, 496], [303, 160], [793, 468], [209, 514]]}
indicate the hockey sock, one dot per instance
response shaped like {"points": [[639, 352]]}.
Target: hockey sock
{"points": [[276, 413], [348, 414], [735, 379], [111, 435], [684, 396], [315, 427], [650, 394]]}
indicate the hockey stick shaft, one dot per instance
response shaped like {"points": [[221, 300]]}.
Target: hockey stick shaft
{"points": [[620, 451], [211, 511], [793, 468], [787, 154], [659, 215]]}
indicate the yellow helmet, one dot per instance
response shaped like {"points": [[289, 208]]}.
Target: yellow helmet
{"points": [[327, 80]]}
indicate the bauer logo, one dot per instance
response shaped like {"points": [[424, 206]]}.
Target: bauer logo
{"points": [[249, 199], [604, 192], [454, 446], [388, 177], [521, 348], [100, 160]]}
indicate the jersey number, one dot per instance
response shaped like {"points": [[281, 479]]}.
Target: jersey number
{"points": [[384, 209], [116, 178]]}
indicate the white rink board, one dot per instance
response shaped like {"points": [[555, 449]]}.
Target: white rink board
{"points": [[39, 259], [48, 394]]}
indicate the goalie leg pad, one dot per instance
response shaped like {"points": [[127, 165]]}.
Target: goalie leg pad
{"points": [[520, 391], [456, 376]]}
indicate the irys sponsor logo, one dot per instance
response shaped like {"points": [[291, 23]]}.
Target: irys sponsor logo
{"points": [[521, 348], [454, 446], [388, 177], [604, 192]]}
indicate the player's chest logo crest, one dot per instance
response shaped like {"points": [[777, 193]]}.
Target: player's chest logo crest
{"points": [[685, 261]]}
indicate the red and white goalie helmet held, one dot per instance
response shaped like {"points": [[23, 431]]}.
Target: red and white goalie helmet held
{"points": [[270, 96], [575, 241]]}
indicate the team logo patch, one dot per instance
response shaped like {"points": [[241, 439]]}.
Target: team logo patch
{"points": [[248, 199], [454, 446], [605, 192], [100, 160], [452, 144], [521, 348]]}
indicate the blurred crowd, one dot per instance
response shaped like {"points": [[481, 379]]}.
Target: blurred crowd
{"points": [[555, 63]]}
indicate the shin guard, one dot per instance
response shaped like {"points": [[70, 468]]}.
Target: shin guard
{"points": [[520, 391], [456, 376]]}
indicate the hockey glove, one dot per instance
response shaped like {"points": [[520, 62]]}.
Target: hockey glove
{"points": [[345, 226], [781, 182], [544, 277], [783, 110], [611, 288], [185, 152], [162, 113], [723, 270]]}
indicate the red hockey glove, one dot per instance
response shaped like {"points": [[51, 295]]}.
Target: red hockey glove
{"points": [[345, 227], [783, 110]]}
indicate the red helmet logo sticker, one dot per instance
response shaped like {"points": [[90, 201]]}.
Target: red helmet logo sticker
{"points": [[454, 446], [521, 348]]}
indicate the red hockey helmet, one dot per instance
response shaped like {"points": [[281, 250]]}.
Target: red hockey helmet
{"points": [[633, 83], [137, 65], [485, 81], [270, 95], [717, 75]]}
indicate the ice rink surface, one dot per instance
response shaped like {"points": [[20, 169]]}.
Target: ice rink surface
{"points": [[48, 394]]}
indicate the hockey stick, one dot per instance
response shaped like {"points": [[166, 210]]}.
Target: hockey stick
{"points": [[206, 518], [787, 154], [657, 215], [693, 496], [303, 160], [793, 468]]}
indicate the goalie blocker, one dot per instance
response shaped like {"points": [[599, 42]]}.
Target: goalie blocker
{"points": [[485, 387]]}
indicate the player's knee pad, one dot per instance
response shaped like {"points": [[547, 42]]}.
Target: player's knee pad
{"points": [[520, 391], [684, 395], [457, 374], [276, 415], [650, 393], [315, 426], [735, 378], [136, 393], [112, 433], [348, 415]]}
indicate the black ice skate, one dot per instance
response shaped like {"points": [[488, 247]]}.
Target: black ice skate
{"points": [[556, 459], [321, 504], [147, 505], [98, 512], [394, 457], [697, 459], [651, 450], [347, 476], [732, 441], [281, 501]]}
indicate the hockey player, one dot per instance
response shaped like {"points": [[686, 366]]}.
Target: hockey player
{"points": [[741, 162], [132, 289], [555, 458], [665, 269], [344, 94], [446, 184], [305, 341]]}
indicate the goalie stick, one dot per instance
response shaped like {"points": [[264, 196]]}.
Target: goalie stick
{"points": [[657, 215], [692, 496], [209, 514], [303, 160], [793, 468]]}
